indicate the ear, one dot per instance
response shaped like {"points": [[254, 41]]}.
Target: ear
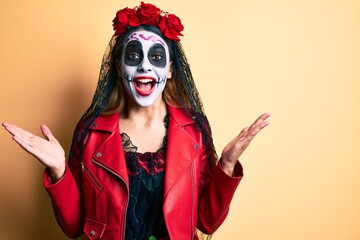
{"points": [[169, 74]]}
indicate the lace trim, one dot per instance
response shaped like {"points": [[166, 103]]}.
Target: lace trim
{"points": [[128, 145]]}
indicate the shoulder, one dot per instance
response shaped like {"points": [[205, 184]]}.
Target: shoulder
{"points": [[181, 115], [107, 123], [86, 125]]}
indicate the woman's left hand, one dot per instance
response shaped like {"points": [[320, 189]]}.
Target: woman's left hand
{"points": [[237, 146]]}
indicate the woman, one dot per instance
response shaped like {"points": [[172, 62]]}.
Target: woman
{"points": [[142, 163]]}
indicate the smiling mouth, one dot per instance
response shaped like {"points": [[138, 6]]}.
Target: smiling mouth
{"points": [[144, 85]]}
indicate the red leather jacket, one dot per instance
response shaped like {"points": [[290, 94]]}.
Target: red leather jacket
{"points": [[92, 196]]}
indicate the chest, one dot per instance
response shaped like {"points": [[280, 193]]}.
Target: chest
{"points": [[147, 138]]}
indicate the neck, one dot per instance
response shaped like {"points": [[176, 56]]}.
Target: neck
{"points": [[146, 115]]}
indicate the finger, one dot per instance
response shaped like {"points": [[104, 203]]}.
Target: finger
{"points": [[9, 127], [19, 136], [23, 144], [47, 133], [236, 139], [259, 121], [259, 124], [242, 133], [264, 124], [265, 115], [253, 132], [261, 118], [31, 148], [15, 130]]}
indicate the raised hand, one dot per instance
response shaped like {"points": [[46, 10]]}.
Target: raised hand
{"points": [[48, 151], [237, 146]]}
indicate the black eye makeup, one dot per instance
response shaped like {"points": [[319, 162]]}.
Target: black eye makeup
{"points": [[157, 55], [133, 53]]}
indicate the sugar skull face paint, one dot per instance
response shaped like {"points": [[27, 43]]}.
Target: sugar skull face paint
{"points": [[145, 66]]}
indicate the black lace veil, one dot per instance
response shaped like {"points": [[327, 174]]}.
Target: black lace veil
{"points": [[187, 95]]}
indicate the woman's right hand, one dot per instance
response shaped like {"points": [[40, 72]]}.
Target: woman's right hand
{"points": [[48, 151]]}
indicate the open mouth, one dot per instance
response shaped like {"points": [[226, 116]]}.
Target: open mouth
{"points": [[144, 85]]}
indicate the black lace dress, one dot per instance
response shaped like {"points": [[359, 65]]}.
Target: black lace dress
{"points": [[145, 218]]}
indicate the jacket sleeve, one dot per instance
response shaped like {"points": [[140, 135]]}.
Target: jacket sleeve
{"points": [[66, 197], [216, 192]]}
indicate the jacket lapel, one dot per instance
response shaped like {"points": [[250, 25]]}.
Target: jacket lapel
{"points": [[181, 147], [109, 155]]}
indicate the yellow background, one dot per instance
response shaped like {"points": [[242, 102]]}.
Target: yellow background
{"points": [[297, 59]]}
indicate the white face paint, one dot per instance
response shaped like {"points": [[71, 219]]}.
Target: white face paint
{"points": [[145, 66]]}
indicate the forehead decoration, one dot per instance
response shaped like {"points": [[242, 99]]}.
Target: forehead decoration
{"points": [[148, 14], [152, 38]]}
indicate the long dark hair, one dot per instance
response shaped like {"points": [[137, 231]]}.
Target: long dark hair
{"points": [[180, 91]]}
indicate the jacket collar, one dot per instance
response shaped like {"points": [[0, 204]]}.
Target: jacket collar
{"points": [[182, 147], [106, 123], [179, 116]]}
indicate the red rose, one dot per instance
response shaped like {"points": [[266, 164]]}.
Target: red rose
{"points": [[133, 19], [148, 14], [124, 18], [171, 26], [121, 21]]}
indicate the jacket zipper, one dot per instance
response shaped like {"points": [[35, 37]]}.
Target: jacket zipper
{"points": [[127, 201], [87, 171]]}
